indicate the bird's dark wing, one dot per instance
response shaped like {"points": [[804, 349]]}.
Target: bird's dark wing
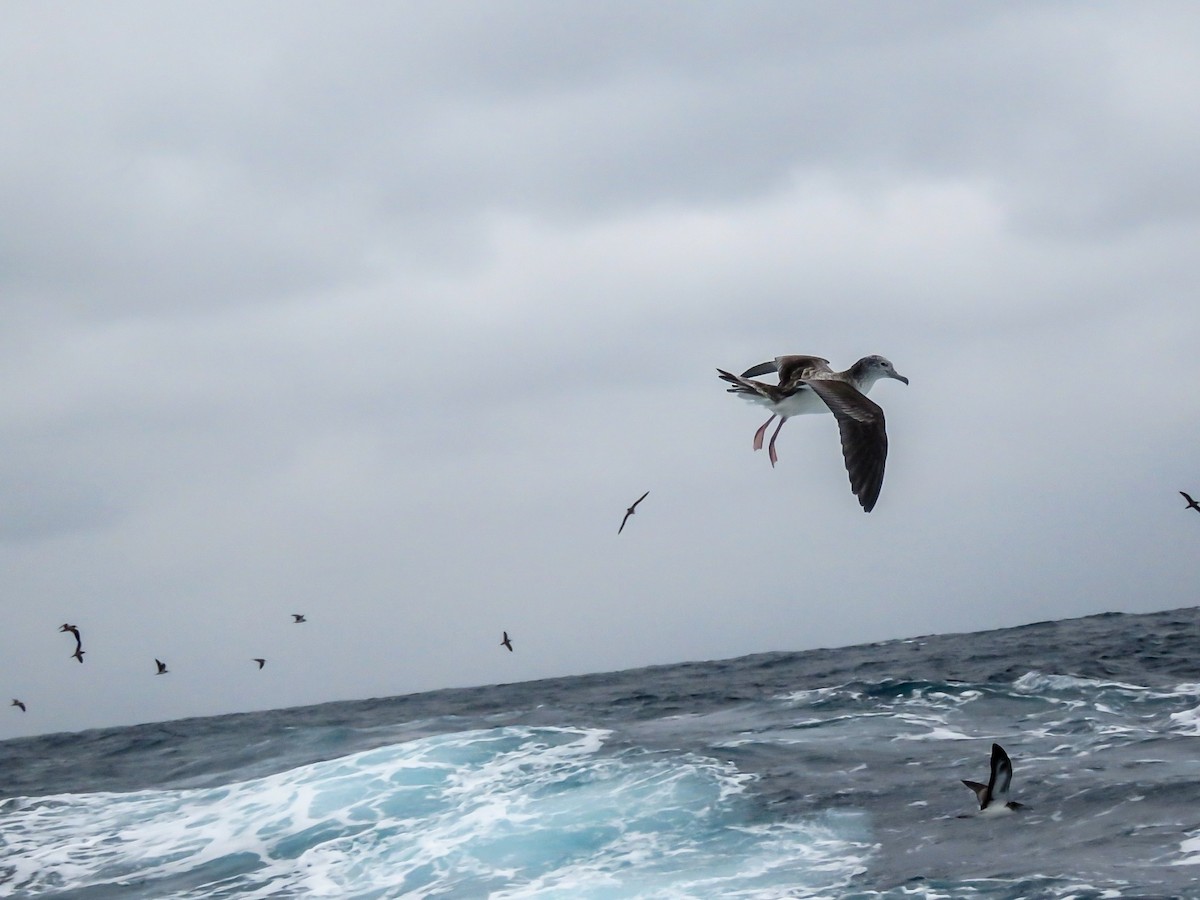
{"points": [[787, 365], [761, 369], [639, 500], [982, 793], [628, 513], [801, 368], [1001, 776], [864, 436]]}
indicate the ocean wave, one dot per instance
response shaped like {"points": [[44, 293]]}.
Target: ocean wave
{"points": [[1186, 721], [1190, 850], [510, 812], [1038, 682]]}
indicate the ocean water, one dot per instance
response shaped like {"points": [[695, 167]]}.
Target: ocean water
{"points": [[830, 773]]}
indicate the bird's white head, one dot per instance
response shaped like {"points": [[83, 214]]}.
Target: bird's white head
{"points": [[870, 369]]}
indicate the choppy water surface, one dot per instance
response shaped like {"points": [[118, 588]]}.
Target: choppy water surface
{"points": [[832, 773]]}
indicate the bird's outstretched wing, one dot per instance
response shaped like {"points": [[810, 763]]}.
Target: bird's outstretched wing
{"points": [[864, 436]]}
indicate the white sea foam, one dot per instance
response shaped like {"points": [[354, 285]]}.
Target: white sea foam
{"points": [[1039, 682], [1190, 848], [933, 728], [1186, 721], [513, 812]]}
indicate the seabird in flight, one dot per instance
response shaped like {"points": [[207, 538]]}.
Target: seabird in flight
{"points": [[993, 796], [807, 385], [162, 667], [506, 642], [78, 654], [629, 512]]}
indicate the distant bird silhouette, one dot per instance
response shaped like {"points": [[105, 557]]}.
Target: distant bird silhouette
{"points": [[162, 667], [506, 642], [78, 654], [20, 704], [298, 618], [261, 662], [1191, 504], [629, 512]]}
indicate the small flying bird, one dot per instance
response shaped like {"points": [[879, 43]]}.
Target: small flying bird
{"points": [[297, 618], [807, 385], [1191, 504], [993, 796], [19, 703], [261, 662], [162, 667], [629, 512], [506, 642], [78, 654]]}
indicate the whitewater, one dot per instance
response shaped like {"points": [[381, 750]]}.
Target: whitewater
{"points": [[826, 773]]}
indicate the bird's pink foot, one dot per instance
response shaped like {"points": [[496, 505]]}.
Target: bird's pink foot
{"points": [[771, 447], [758, 435]]}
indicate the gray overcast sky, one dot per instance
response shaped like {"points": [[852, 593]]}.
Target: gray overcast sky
{"points": [[383, 313]]}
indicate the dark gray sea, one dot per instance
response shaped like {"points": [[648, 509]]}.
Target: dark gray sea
{"points": [[829, 773]]}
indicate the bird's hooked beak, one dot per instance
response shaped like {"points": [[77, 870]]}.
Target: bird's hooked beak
{"points": [[899, 377]]}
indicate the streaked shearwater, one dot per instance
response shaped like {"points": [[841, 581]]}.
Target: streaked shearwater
{"points": [[629, 512], [807, 384], [506, 642], [261, 662], [1191, 504], [993, 796], [162, 667], [18, 703], [297, 618]]}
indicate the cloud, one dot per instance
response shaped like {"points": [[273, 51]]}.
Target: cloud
{"points": [[385, 315]]}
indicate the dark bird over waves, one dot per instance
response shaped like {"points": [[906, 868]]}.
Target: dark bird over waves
{"points": [[629, 512], [993, 796], [506, 642]]}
